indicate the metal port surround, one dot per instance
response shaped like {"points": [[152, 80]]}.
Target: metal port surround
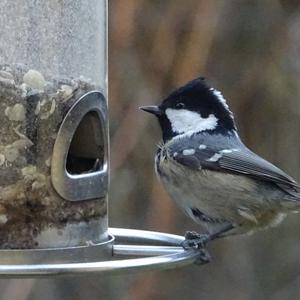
{"points": [[159, 251], [89, 185]]}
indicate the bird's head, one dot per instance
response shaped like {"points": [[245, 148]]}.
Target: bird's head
{"points": [[193, 108]]}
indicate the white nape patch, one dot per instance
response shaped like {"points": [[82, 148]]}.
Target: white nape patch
{"points": [[201, 147], [215, 157], [175, 154], [188, 152], [189, 122], [219, 95]]}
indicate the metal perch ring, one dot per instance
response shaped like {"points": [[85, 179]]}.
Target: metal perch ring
{"points": [[160, 251]]}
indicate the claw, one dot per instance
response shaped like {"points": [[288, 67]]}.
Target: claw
{"points": [[195, 240], [204, 257], [198, 241]]}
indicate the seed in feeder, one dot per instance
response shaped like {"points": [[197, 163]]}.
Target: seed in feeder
{"points": [[7, 69], [36, 185], [11, 192], [22, 144], [23, 136], [67, 90], [37, 108], [28, 172], [24, 88], [3, 215], [6, 78], [6, 75], [43, 102], [11, 153], [2, 159], [52, 108], [34, 79], [47, 114], [15, 113], [3, 219], [48, 161], [46, 201]]}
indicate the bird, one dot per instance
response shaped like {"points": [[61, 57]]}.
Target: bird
{"points": [[210, 173]]}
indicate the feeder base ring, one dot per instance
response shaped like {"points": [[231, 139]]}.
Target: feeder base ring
{"points": [[159, 251]]}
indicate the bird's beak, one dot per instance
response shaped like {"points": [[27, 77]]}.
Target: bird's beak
{"points": [[152, 109]]}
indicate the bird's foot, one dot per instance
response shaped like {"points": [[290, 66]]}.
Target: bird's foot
{"points": [[198, 241], [204, 257], [195, 240]]}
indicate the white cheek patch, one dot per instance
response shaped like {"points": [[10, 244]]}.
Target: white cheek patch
{"points": [[188, 122]]}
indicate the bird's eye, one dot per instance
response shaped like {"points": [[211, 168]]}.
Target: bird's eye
{"points": [[179, 105]]}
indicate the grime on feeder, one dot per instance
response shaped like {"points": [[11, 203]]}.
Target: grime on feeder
{"points": [[32, 109]]}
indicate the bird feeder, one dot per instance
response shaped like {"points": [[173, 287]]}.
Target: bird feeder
{"points": [[54, 147]]}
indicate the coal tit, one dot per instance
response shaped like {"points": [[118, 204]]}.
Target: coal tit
{"points": [[210, 173]]}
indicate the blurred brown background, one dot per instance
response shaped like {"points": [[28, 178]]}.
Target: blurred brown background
{"points": [[250, 51]]}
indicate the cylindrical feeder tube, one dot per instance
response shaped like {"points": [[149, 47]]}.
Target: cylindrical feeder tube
{"points": [[53, 124]]}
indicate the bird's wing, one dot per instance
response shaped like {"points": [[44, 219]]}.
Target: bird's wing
{"points": [[240, 161], [251, 164]]}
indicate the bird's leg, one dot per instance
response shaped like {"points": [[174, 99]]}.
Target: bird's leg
{"points": [[199, 240], [219, 233]]}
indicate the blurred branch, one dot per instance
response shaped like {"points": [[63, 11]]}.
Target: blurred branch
{"points": [[126, 137], [197, 42]]}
